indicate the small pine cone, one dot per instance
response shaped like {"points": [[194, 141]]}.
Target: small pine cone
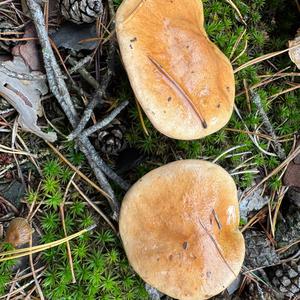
{"points": [[286, 279], [259, 250], [111, 138], [81, 11], [255, 292], [5, 29], [288, 227]]}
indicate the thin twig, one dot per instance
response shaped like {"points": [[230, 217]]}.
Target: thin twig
{"points": [[62, 214], [37, 284], [107, 120], [95, 207], [257, 101]]}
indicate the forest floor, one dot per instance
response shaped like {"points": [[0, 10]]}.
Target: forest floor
{"points": [[72, 213]]}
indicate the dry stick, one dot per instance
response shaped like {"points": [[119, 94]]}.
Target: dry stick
{"points": [[108, 119], [58, 87], [37, 284], [274, 172], [80, 64], [257, 101], [85, 74], [97, 98]]}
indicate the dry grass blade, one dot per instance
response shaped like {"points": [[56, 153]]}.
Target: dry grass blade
{"points": [[97, 209], [263, 57], [17, 253], [278, 205], [275, 171], [9, 150], [141, 117], [37, 284], [286, 91], [237, 10], [237, 44], [85, 178], [62, 214]]}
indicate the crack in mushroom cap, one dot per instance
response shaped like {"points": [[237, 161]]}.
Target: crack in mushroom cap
{"points": [[179, 227], [184, 83]]}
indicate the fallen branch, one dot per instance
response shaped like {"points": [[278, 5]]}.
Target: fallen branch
{"points": [[59, 89]]}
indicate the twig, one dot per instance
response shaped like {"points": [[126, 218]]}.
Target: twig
{"points": [[59, 89], [80, 64], [22, 76], [85, 74], [257, 101], [274, 172], [62, 214], [37, 284], [108, 119], [97, 98], [95, 207]]}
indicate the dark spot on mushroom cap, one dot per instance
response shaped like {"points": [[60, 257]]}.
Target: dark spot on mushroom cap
{"points": [[219, 105], [170, 257], [185, 245], [133, 40], [169, 99]]}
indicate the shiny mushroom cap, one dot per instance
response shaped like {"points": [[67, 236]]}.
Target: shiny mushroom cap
{"points": [[184, 83], [18, 232], [179, 226]]}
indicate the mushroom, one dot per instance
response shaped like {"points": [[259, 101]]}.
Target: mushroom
{"points": [[179, 227], [183, 82], [18, 232]]}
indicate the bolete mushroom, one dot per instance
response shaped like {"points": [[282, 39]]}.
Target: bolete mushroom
{"points": [[184, 83], [179, 226]]}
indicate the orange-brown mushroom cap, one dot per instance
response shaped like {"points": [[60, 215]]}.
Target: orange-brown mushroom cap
{"points": [[184, 83], [18, 232], [179, 226]]}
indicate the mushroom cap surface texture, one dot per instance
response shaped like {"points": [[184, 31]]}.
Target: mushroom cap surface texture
{"points": [[183, 82], [18, 232], [179, 227]]}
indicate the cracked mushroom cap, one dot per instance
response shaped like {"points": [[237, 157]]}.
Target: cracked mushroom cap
{"points": [[183, 82], [179, 226]]}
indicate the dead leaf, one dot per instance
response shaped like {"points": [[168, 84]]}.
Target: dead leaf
{"points": [[295, 52], [24, 96], [292, 173], [72, 36], [29, 50]]}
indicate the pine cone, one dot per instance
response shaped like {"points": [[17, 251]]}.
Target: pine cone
{"points": [[259, 250], [288, 227], [81, 11], [111, 138], [286, 279], [255, 292]]}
